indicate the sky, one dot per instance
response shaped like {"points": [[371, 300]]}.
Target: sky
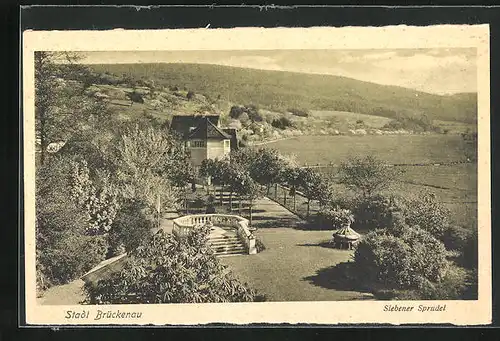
{"points": [[433, 70]]}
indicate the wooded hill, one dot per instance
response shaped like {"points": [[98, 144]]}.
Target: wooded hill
{"points": [[281, 91]]}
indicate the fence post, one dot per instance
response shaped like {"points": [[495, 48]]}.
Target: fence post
{"points": [[276, 191], [284, 197]]}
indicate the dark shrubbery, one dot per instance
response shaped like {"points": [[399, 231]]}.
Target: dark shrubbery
{"points": [[298, 112], [64, 251], [415, 123], [426, 212], [401, 262], [129, 227], [375, 212], [167, 270], [259, 245], [282, 123], [70, 255], [135, 97], [190, 95], [251, 110], [235, 111]]}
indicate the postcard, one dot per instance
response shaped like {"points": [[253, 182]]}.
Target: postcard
{"points": [[320, 176]]}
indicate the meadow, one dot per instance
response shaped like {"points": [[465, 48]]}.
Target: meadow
{"points": [[393, 149], [455, 185]]}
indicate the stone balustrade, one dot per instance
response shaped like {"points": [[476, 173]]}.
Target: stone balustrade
{"points": [[183, 225]]}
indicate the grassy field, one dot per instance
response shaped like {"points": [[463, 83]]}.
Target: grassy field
{"points": [[292, 267], [454, 185], [390, 148]]}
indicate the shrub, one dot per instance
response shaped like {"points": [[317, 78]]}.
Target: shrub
{"points": [[63, 250], [129, 228], [135, 97], [167, 270], [469, 257], [244, 118], [282, 123], [375, 212], [190, 95], [385, 259], [259, 245], [70, 255], [253, 113], [452, 286], [235, 111], [456, 237], [427, 213], [335, 218], [298, 112], [403, 262]]}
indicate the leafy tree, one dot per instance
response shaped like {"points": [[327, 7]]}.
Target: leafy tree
{"points": [[143, 157], [64, 250], [368, 175], [100, 203], [292, 178], [168, 270], [315, 187], [61, 106], [267, 167]]}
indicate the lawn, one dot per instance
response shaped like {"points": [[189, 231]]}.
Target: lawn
{"points": [[290, 267], [390, 148], [455, 186]]}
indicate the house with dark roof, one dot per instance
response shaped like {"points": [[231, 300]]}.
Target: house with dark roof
{"points": [[204, 136]]}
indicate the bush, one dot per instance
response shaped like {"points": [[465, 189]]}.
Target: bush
{"points": [[129, 228], [190, 95], [136, 97], [451, 287], [167, 270], [63, 251], [282, 123], [427, 213], [253, 113], [259, 245], [404, 262], [375, 212], [386, 259], [469, 257], [417, 123], [298, 112], [69, 256], [235, 112], [335, 217], [455, 237]]}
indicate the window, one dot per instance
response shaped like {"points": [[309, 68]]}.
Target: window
{"points": [[198, 144], [227, 144]]}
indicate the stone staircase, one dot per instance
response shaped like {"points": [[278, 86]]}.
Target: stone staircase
{"points": [[226, 243]]}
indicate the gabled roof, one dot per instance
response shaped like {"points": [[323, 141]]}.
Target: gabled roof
{"points": [[184, 124], [234, 137], [206, 129]]}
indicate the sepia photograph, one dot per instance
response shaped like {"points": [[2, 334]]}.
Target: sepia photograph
{"points": [[261, 175]]}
